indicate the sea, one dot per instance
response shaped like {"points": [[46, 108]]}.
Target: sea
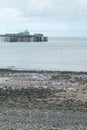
{"points": [[58, 54]]}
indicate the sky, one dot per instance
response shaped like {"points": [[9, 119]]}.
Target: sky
{"points": [[62, 18]]}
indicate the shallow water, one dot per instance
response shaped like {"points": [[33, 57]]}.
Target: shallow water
{"points": [[52, 55]]}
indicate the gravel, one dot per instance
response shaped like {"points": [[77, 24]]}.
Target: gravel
{"points": [[72, 88], [27, 119]]}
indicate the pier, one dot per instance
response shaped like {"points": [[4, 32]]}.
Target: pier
{"points": [[23, 37]]}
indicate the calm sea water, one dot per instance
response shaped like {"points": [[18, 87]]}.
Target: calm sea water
{"points": [[56, 54]]}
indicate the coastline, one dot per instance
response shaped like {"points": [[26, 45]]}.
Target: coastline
{"points": [[50, 100], [64, 86], [14, 70]]}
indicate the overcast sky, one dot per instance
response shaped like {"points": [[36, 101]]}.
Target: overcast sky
{"points": [[50, 17]]}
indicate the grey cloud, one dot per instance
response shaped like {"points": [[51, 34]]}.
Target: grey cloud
{"points": [[63, 16]]}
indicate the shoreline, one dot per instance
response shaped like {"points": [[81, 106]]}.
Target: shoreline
{"points": [[43, 100], [65, 87], [40, 71]]}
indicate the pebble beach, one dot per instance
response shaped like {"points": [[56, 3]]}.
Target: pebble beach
{"points": [[43, 100]]}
